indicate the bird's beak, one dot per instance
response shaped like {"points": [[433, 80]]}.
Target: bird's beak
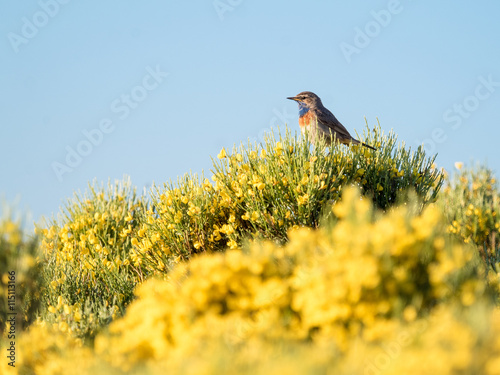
{"points": [[292, 98]]}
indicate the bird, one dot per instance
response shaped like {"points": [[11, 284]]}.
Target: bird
{"points": [[316, 120]]}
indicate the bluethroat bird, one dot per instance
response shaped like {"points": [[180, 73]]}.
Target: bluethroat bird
{"points": [[316, 120]]}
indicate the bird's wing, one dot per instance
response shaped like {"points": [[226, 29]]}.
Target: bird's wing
{"points": [[327, 118]]}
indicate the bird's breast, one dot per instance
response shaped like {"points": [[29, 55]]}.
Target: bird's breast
{"points": [[306, 120]]}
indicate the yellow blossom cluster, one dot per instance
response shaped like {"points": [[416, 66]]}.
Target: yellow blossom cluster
{"points": [[443, 342], [275, 264], [372, 293], [358, 280], [20, 274], [262, 191], [47, 350], [88, 257], [471, 202]]}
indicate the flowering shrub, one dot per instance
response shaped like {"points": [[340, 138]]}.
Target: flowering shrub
{"points": [[360, 279], [263, 191], [48, 350], [368, 293], [471, 202], [319, 270], [88, 264], [20, 274], [444, 342]]}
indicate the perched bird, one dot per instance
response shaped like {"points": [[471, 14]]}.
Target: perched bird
{"points": [[315, 119]]}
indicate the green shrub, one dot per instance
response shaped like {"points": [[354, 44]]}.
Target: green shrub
{"points": [[264, 190], [88, 263], [20, 274], [350, 282], [471, 202]]}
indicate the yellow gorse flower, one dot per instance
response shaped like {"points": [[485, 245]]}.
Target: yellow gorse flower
{"points": [[222, 154]]}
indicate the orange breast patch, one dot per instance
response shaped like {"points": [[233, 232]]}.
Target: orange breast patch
{"points": [[307, 119]]}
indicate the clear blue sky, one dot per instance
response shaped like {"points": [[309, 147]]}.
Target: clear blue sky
{"points": [[168, 83]]}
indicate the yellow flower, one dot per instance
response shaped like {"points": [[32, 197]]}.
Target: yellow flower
{"points": [[67, 309], [77, 316], [207, 186], [227, 229], [193, 210], [222, 154], [409, 313], [126, 231], [459, 165], [51, 233], [63, 326], [302, 199], [232, 244], [279, 148], [141, 232], [380, 187]]}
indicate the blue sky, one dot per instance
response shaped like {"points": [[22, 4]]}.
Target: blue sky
{"points": [[151, 89]]}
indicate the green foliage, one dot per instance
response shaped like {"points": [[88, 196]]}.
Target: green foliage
{"points": [[471, 202], [332, 300], [324, 277], [264, 190], [88, 258], [20, 273]]}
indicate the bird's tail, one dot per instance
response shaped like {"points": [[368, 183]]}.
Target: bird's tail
{"points": [[364, 144], [356, 142]]}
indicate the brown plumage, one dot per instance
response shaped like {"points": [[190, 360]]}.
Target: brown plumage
{"points": [[317, 120]]}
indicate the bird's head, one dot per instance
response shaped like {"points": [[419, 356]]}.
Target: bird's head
{"points": [[307, 99]]}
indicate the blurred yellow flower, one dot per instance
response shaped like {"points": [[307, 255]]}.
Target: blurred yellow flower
{"points": [[278, 148]]}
